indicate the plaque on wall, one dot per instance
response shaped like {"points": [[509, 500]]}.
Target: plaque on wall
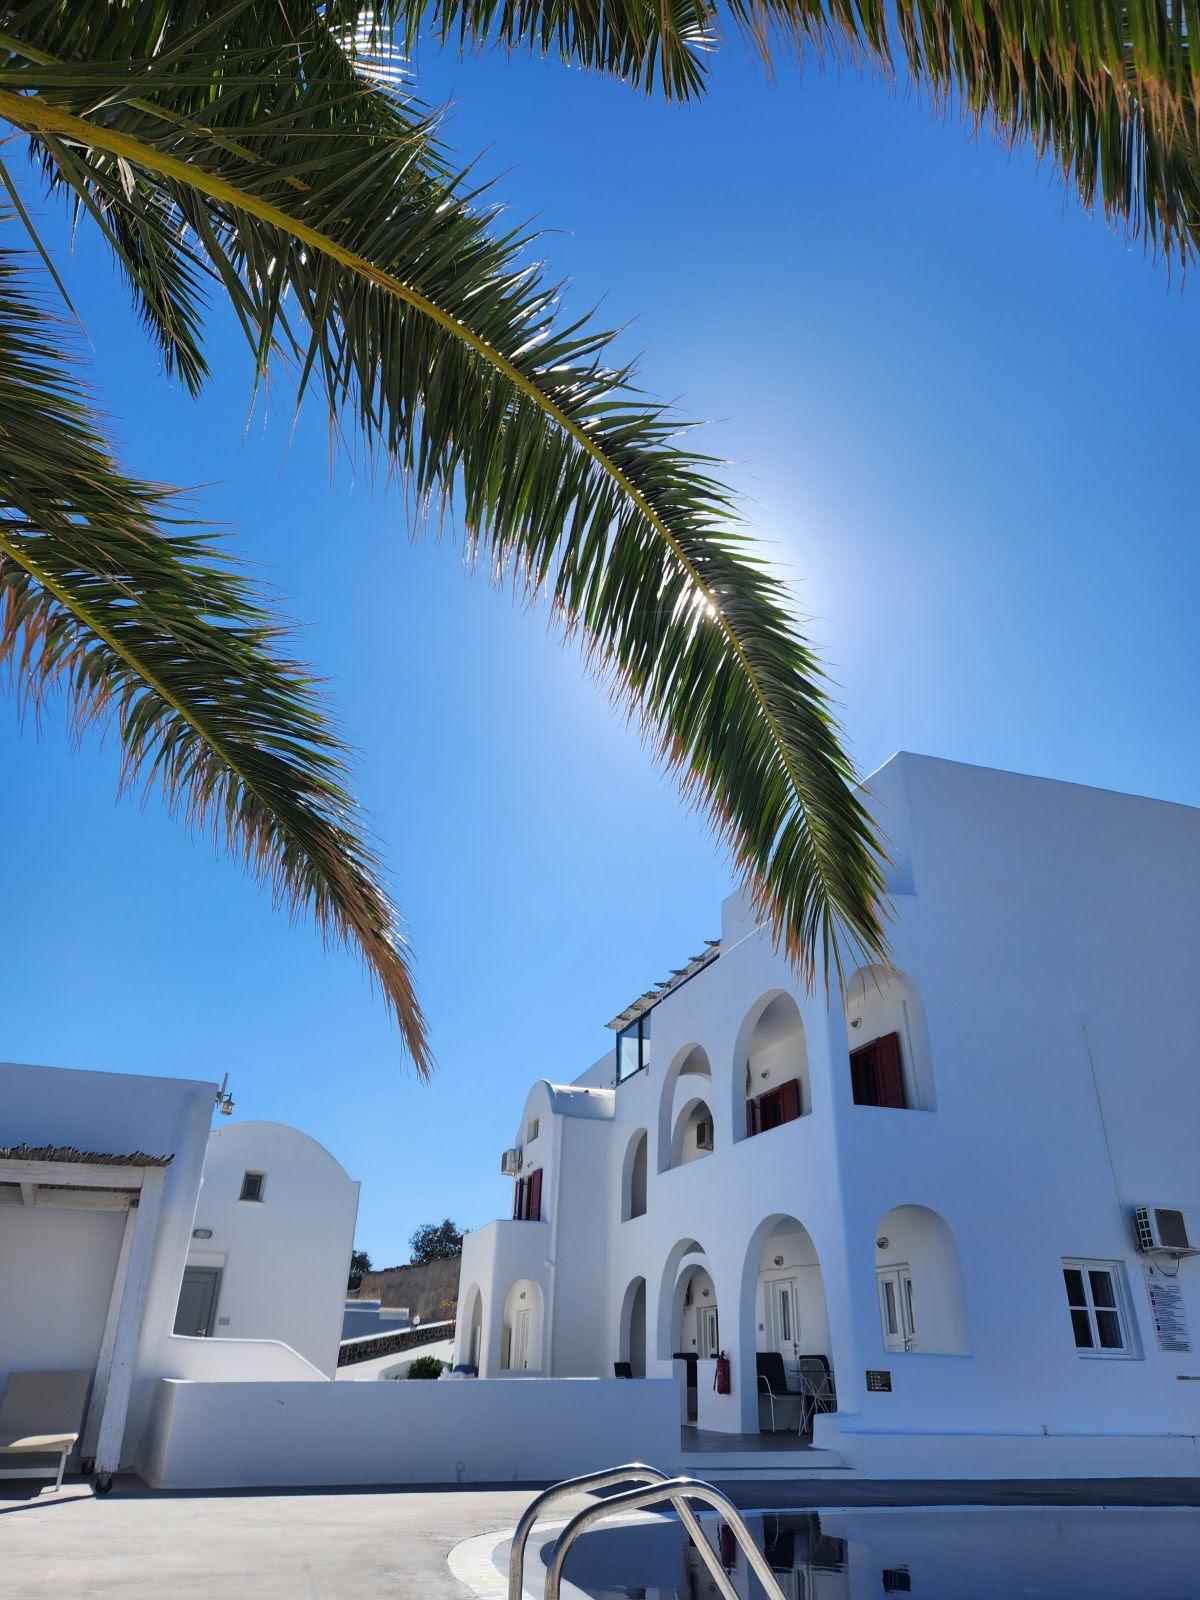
{"points": [[879, 1382], [1170, 1316]]}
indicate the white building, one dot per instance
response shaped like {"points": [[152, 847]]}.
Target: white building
{"points": [[100, 1174], [270, 1251], [929, 1185]]}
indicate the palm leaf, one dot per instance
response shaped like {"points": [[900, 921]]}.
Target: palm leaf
{"points": [[327, 213], [106, 597]]}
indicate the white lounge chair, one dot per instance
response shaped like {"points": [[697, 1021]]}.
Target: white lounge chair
{"points": [[42, 1415]]}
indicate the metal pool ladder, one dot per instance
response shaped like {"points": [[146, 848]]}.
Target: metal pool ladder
{"points": [[658, 1489]]}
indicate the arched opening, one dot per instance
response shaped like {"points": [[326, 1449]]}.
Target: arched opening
{"points": [[666, 1320], [633, 1327], [770, 1077], [688, 1324], [688, 1077], [890, 1062], [784, 1322], [470, 1324], [919, 1279], [634, 1176], [521, 1338], [693, 1135]]}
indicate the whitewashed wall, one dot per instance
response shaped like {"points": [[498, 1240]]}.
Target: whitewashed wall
{"points": [[284, 1260], [507, 1431]]}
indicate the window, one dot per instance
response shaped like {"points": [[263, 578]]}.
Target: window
{"points": [[535, 1127], [877, 1073], [897, 1580], [710, 1332], [253, 1184], [897, 1312], [1097, 1309], [527, 1197], [633, 1048], [774, 1108]]}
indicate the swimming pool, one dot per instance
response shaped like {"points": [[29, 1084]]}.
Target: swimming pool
{"points": [[1009, 1553]]}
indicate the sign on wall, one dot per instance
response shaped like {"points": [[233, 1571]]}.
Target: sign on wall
{"points": [[1169, 1313], [879, 1382]]}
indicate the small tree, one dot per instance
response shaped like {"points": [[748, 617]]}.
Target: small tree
{"points": [[426, 1367], [436, 1241], [360, 1263]]}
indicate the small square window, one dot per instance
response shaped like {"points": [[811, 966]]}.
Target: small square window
{"points": [[1095, 1302], [253, 1184], [897, 1580], [535, 1126]]}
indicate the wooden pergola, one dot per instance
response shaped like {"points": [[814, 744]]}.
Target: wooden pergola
{"points": [[64, 1178]]}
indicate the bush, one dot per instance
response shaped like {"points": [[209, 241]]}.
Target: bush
{"points": [[426, 1367]]}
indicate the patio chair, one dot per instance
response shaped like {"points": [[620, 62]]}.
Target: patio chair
{"points": [[816, 1385], [622, 1369], [42, 1415], [772, 1380]]}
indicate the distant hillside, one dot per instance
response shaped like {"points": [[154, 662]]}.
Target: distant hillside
{"points": [[429, 1291]]}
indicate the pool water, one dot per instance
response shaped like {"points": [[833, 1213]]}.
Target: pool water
{"points": [[1050, 1553]]}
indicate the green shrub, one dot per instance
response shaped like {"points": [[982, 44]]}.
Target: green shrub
{"points": [[426, 1367]]}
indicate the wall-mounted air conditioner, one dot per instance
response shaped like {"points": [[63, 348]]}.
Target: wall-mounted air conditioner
{"points": [[1159, 1228], [510, 1162], [704, 1134]]}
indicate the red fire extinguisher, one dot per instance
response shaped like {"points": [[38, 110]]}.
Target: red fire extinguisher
{"points": [[721, 1378]]}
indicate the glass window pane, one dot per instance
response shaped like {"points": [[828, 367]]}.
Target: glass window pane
{"points": [[785, 1314], [1108, 1325], [627, 1052], [644, 1037], [908, 1296], [1083, 1330], [1103, 1289], [1073, 1279], [890, 1321]]}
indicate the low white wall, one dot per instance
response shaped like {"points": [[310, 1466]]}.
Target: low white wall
{"points": [[1012, 1455], [235, 1361], [217, 1435]]}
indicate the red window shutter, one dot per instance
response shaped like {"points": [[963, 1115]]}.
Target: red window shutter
{"points": [[789, 1100], [533, 1209], [751, 1130], [889, 1071], [518, 1199]]}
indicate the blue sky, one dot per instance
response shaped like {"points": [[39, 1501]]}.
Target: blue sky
{"points": [[963, 414]]}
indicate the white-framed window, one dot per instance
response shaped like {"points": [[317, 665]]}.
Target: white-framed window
{"points": [[709, 1331], [784, 1322], [897, 1309], [534, 1128], [253, 1185], [1097, 1305]]}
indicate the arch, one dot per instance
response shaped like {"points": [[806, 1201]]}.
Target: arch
{"points": [[770, 1052], [879, 1001], [919, 1279], [634, 1173], [693, 1134], [521, 1332], [470, 1327], [679, 1253], [632, 1342], [782, 1306], [691, 1063]]}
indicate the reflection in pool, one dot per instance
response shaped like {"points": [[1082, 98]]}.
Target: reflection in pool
{"points": [[1050, 1553]]}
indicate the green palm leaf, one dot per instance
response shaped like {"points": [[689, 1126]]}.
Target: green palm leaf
{"points": [[107, 598], [326, 213]]}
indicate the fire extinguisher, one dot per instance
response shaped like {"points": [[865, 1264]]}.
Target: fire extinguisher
{"points": [[721, 1378]]}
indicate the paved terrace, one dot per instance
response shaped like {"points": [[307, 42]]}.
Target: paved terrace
{"points": [[368, 1544]]}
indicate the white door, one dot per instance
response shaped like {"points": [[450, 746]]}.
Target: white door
{"points": [[520, 1341], [783, 1324], [896, 1310], [709, 1336]]}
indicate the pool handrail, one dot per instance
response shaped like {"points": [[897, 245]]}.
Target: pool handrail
{"points": [[631, 1472], [675, 1490]]}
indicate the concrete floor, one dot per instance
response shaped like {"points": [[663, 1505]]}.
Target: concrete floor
{"points": [[136, 1544]]}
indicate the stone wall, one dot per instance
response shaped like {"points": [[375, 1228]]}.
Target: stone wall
{"points": [[430, 1291]]}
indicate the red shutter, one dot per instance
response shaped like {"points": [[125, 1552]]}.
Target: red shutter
{"points": [[789, 1100], [889, 1071], [533, 1208], [518, 1199], [751, 1130]]}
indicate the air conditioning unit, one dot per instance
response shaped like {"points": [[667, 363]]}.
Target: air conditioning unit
{"points": [[704, 1134], [510, 1162], [1158, 1228]]}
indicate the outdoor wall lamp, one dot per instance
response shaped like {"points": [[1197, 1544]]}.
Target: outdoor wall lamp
{"points": [[778, 1261], [882, 1242], [856, 1022]]}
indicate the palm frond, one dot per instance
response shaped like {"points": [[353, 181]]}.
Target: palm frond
{"points": [[327, 213], [141, 623]]}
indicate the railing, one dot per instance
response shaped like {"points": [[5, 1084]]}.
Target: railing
{"points": [[674, 1491], [367, 1346]]}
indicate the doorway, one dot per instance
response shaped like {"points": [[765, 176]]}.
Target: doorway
{"points": [[896, 1309], [196, 1313]]}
